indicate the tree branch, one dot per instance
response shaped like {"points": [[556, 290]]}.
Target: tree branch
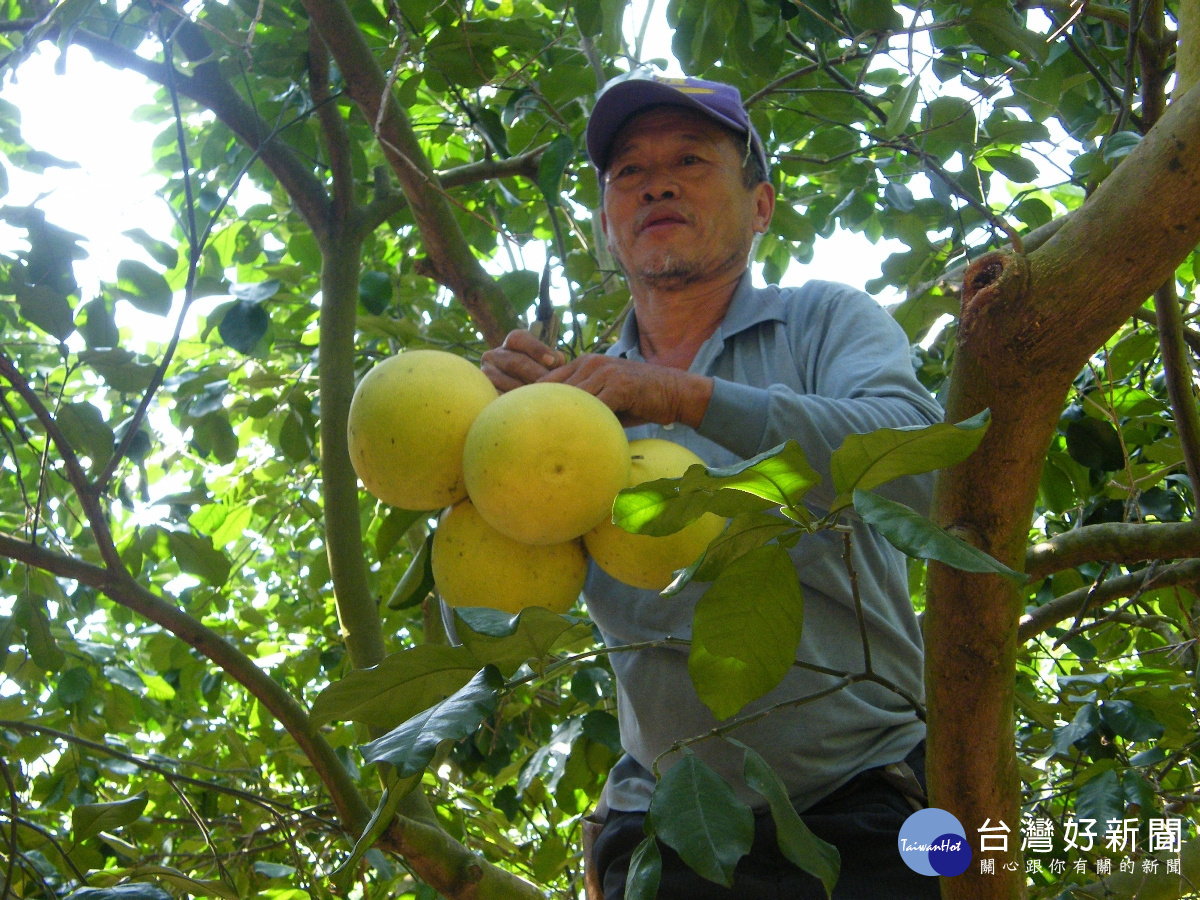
{"points": [[334, 133], [75, 474], [1178, 369], [388, 203], [122, 589], [450, 255], [208, 87], [1068, 605], [1114, 542]]}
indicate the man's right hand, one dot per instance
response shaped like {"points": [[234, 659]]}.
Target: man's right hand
{"points": [[521, 359]]}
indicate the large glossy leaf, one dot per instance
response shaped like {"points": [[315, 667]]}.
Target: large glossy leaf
{"points": [[143, 287], [745, 630], [92, 818], [398, 688], [916, 536], [803, 848], [742, 534], [645, 871], [865, 461], [779, 477], [417, 581], [121, 892], [697, 814], [506, 641], [410, 746]]}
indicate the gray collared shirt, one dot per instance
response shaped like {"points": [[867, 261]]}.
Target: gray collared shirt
{"points": [[816, 364]]}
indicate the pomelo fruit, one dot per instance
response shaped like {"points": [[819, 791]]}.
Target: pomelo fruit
{"points": [[543, 462], [639, 559], [408, 421], [475, 565]]}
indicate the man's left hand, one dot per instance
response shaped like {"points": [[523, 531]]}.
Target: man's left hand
{"points": [[639, 392]]}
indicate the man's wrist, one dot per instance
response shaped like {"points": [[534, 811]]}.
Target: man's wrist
{"points": [[695, 392]]}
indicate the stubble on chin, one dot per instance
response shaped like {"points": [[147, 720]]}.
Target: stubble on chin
{"points": [[670, 272]]}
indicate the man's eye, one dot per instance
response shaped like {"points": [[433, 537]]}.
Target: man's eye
{"points": [[690, 160]]}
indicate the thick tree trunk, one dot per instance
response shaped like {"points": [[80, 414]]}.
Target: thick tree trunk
{"points": [[1027, 327]]}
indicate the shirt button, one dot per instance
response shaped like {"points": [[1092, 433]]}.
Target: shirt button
{"points": [[670, 427]]}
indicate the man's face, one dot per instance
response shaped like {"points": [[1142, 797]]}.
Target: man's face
{"points": [[676, 210]]}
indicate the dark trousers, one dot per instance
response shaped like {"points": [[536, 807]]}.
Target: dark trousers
{"points": [[862, 819]]}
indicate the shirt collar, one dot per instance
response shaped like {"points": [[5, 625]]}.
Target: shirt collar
{"points": [[749, 307]]}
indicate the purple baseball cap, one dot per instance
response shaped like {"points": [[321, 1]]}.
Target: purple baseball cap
{"points": [[628, 94]]}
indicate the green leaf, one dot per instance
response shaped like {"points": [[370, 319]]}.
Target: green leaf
{"points": [[90, 819], [410, 746], [143, 287], [916, 536], [507, 641], [84, 427], [30, 612], [394, 691], [902, 108], [375, 292], [780, 477], [865, 461], [745, 630], [197, 556], [589, 16], [697, 814], [1014, 168], [73, 686], [417, 580], [874, 15], [1120, 145], [742, 534], [1131, 721], [243, 325], [1100, 798], [645, 871], [47, 308], [802, 848], [99, 325], [121, 892], [520, 287], [995, 29], [256, 291], [394, 526], [120, 369], [551, 166], [160, 251]]}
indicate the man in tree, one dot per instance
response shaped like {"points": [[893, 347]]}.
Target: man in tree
{"points": [[729, 370]]}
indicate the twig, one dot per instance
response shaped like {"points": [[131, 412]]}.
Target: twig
{"points": [[147, 765], [12, 840], [847, 555], [200, 823]]}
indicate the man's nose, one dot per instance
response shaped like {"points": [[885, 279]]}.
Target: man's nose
{"points": [[660, 184]]}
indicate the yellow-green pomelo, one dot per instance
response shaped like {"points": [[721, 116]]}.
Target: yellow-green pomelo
{"points": [[475, 565], [408, 421], [639, 559], [544, 461]]}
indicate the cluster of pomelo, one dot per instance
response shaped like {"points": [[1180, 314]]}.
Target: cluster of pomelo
{"points": [[527, 479]]}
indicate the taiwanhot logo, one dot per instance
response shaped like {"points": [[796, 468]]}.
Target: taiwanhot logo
{"points": [[933, 842]]}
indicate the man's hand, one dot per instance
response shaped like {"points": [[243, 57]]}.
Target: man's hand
{"points": [[521, 359], [638, 392]]}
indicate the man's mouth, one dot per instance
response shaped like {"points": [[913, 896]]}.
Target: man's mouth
{"points": [[662, 219]]}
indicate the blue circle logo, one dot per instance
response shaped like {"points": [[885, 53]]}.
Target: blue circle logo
{"points": [[933, 842]]}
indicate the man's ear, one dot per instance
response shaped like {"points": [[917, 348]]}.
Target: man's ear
{"points": [[764, 206]]}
